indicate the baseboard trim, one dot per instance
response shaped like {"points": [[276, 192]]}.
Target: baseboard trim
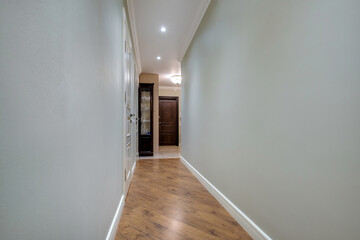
{"points": [[250, 227], [133, 168], [115, 222]]}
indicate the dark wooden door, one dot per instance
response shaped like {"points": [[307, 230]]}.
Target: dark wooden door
{"points": [[169, 117]]}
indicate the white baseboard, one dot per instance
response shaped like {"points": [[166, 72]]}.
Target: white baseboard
{"points": [[250, 227], [115, 222], [129, 178], [131, 174], [133, 168]]}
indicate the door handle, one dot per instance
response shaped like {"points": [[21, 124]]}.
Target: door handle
{"points": [[131, 115]]}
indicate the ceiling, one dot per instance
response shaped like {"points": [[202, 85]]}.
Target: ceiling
{"points": [[181, 19]]}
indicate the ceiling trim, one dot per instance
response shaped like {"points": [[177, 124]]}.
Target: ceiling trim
{"points": [[130, 5], [199, 15]]}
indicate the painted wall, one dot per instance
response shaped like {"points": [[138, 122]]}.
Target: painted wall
{"points": [[270, 113], [170, 91], [153, 78], [173, 92], [60, 118]]}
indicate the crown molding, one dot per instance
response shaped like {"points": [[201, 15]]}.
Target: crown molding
{"points": [[199, 15], [130, 5]]}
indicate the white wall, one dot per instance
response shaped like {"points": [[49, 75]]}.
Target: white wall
{"points": [[270, 113], [60, 118], [170, 91]]}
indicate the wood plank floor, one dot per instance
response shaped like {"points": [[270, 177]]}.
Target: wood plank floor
{"points": [[165, 152], [165, 201]]}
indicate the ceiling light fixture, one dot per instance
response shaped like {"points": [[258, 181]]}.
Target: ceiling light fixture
{"points": [[176, 79], [158, 58], [163, 29]]}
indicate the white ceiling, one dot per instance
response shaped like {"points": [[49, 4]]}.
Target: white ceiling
{"points": [[181, 19]]}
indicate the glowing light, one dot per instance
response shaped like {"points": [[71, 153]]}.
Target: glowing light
{"points": [[176, 79]]}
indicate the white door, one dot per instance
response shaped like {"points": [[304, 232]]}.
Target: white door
{"points": [[135, 109], [129, 111]]}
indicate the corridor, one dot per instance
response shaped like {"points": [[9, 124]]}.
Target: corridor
{"points": [[180, 119], [165, 201]]}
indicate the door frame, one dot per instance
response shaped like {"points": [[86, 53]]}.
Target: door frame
{"points": [[177, 116], [128, 72]]}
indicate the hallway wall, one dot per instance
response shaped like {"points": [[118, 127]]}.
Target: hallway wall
{"points": [[60, 118], [270, 113]]}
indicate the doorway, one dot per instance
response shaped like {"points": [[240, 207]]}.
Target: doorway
{"points": [[130, 107], [169, 121]]}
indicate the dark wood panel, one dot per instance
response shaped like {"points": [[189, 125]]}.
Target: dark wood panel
{"points": [[146, 140], [169, 121]]}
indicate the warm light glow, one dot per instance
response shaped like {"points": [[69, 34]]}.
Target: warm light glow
{"points": [[176, 79], [163, 29], [158, 58]]}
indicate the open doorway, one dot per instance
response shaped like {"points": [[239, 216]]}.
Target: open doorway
{"points": [[168, 121]]}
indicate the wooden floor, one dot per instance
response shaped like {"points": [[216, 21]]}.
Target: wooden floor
{"points": [[165, 201], [165, 152]]}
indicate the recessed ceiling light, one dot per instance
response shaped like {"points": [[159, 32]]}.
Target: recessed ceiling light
{"points": [[158, 58], [163, 29]]}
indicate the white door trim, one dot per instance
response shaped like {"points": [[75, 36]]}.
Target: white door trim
{"points": [[127, 173]]}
